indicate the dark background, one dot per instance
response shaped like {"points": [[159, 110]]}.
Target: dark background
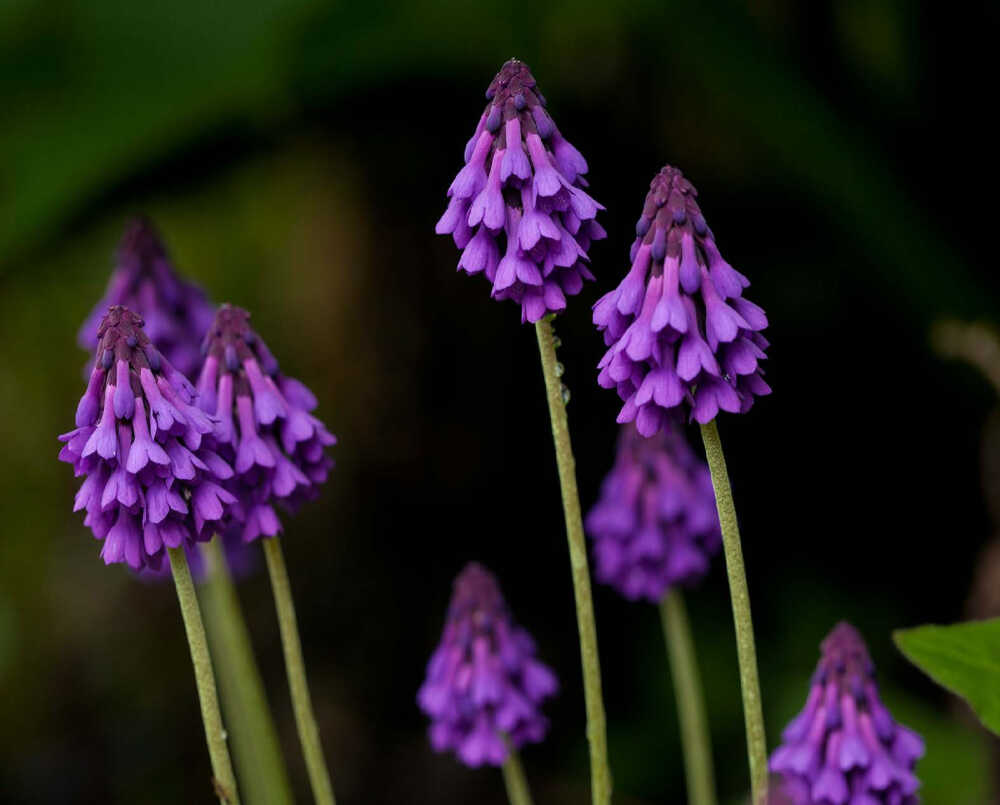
{"points": [[295, 156]]}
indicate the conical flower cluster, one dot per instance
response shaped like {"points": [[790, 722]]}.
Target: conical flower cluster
{"points": [[151, 481], [518, 209], [176, 313], [655, 524], [263, 425], [845, 747], [681, 336], [483, 681]]}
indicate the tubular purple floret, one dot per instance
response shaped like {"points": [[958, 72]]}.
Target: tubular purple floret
{"points": [[138, 444], [262, 425], [681, 337], [520, 195]]}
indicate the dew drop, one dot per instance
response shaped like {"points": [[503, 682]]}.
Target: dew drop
{"points": [[560, 369], [565, 394]]}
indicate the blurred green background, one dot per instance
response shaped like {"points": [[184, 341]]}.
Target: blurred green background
{"points": [[295, 156]]}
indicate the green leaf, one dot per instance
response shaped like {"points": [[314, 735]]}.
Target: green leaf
{"points": [[964, 658]]}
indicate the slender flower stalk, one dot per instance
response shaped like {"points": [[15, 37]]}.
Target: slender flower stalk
{"points": [[263, 424], [695, 739], [600, 771], [654, 530], [256, 749], [519, 212], [684, 342], [753, 715], [151, 486], [215, 734], [518, 792], [305, 719], [176, 314]]}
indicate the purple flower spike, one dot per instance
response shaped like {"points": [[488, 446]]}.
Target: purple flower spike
{"points": [[263, 428], [176, 313], [844, 747], [681, 336], [149, 481], [655, 525], [483, 681], [518, 209]]}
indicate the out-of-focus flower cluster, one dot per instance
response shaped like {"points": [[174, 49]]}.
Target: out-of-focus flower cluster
{"points": [[176, 312], [483, 680], [845, 747], [655, 524]]}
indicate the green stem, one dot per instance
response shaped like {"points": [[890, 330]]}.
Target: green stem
{"points": [[518, 792], [222, 768], [690, 700], [305, 720], [600, 773], [256, 749], [746, 651]]}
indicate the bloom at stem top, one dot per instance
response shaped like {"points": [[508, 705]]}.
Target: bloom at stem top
{"points": [[518, 209], [176, 312], [483, 681], [681, 336], [151, 480], [263, 425]]}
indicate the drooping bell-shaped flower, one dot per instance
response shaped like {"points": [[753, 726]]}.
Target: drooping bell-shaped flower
{"points": [[150, 479], [844, 747], [176, 312], [483, 680], [681, 336], [263, 425], [655, 524], [518, 209]]}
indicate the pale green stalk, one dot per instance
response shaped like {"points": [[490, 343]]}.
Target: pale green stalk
{"points": [[600, 772], [753, 715], [256, 750], [295, 667], [224, 780], [518, 792], [695, 740]]}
